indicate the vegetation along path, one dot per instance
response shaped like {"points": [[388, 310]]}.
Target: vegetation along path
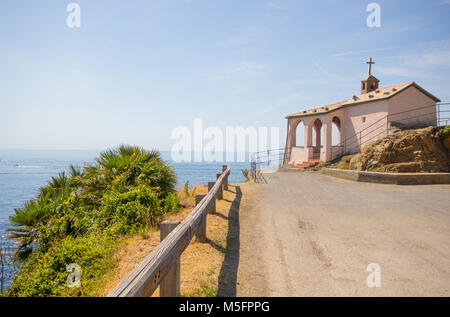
{"points": [[307, 234]]}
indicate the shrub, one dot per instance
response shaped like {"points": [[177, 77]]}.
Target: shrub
{"points": [[130, 210], [171, 202], [245, 172], [186, 189], [45, 274], [444, 132], [86, 213], [194, 190]]}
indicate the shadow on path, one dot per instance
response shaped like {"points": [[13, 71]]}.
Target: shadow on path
{"points": [[229, 269]]}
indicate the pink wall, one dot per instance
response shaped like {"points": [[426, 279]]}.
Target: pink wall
{"points": [[299, 154], [374, 124], [410, 99]]}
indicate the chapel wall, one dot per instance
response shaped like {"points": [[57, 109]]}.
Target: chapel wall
{"points": [[366, 118], [421, 109]]}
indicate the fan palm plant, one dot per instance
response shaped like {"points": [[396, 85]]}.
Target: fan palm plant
{"points": [[34, 213], [69, 203], [27, 219], [127, 166]]}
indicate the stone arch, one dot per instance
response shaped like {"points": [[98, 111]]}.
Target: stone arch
{"points": [[336, 136], [316, 133], [293, 125], [300, 133]]}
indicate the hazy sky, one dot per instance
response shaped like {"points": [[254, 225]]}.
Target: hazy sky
{"points": [[137, 69]]}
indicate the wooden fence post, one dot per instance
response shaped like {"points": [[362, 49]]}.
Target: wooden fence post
{"points": [[225, 183], [220, 193], [213, 208], [170, 285], [201, 233], [161, 268]]}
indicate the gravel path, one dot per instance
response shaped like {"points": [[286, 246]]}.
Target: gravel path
{"points": [[307, 234]]}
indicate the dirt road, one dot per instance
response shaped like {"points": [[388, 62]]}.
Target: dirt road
{"points": [[307, 234]]}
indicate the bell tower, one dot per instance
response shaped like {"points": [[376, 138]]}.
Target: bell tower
{"points": [[369, 83]]}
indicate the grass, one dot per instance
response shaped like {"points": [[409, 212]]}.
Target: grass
{"points": [[209, 291]]}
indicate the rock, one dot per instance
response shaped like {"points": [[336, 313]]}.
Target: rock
{"points": [[419, 150], [447, 143]]}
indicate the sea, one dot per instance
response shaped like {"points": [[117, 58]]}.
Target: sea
{"points": [[24, 172]]}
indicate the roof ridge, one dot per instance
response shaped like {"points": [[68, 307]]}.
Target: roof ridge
{"points": [[392, 86], [314, 110]]}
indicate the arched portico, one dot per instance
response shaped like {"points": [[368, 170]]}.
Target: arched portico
{"points": [[312, 145], [317, 138]]}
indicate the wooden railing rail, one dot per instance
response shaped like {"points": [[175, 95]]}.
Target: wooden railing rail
{"points": [[149, 274]]}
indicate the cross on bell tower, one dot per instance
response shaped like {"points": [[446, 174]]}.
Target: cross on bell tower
{"points": [[369, 83], [370, 65]]}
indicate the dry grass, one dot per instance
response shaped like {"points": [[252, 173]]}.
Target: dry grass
{"points": [[201, 263]]}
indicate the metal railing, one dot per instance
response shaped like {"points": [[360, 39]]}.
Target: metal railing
{"points": [[268, 157]]}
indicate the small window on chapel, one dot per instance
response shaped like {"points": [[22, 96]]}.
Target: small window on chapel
{"points": [[364, 86], [364, 119]]}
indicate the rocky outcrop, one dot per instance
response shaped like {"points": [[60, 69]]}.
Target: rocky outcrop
{"points": [[447, 143], [423, 150]]}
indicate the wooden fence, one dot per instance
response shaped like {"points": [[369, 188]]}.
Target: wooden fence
{"points": [[162, 266]]}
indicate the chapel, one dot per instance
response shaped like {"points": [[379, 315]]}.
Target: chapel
{"points": [[358, 120]]}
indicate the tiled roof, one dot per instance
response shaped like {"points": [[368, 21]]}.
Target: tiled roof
{"points": [[379, 94]]}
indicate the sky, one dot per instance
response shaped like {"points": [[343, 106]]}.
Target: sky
{"points": [[137, 69]]}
